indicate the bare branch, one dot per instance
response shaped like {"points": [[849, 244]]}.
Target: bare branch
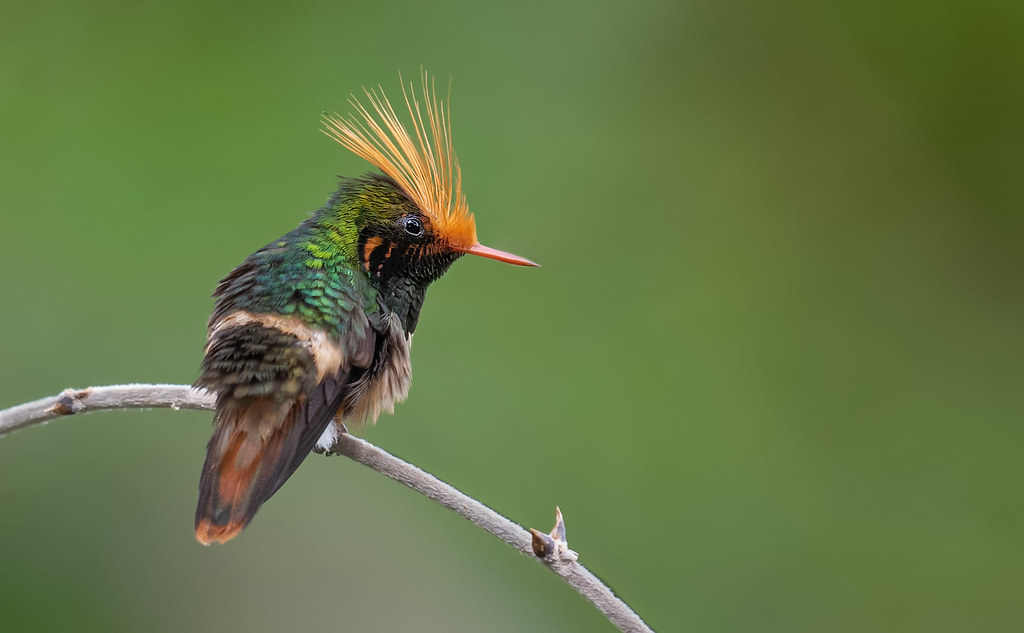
{"points": [[73, 401]]}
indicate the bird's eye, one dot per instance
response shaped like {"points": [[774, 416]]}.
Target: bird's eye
{"points": [[413, 226]]}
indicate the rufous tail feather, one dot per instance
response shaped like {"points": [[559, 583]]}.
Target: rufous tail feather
{"points": [[255, 442]]}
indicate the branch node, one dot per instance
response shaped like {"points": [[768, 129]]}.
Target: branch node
{"points": [[69, 402], [553, 546]]}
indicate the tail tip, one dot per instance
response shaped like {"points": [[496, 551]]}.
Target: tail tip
{"points": [[208, 533]]}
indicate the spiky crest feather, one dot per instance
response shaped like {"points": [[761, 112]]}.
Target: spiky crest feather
{"points": [[425, 167]]}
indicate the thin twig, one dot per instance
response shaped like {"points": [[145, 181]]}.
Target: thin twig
{"points": [[73, 401]]}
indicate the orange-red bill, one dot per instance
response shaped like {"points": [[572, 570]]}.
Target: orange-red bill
{"points": [[493, 253]]}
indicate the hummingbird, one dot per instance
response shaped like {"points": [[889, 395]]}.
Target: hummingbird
{"points": [[313, 330]]}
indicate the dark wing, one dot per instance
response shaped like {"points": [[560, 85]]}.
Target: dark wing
{"points": [[271, 409]]}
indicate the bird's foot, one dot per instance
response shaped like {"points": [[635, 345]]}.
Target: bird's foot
{"points": [[329, 451]]}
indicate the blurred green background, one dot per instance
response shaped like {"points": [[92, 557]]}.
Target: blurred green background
{"points": [[771, 368]]}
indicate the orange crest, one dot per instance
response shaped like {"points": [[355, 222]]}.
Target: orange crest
{"points": [[422, 163]]}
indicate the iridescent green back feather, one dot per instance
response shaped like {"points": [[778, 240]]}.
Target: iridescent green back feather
{"points": [[314, 272]]}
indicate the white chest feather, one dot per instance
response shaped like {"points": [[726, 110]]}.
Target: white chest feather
{"points": [[386, 383]]}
